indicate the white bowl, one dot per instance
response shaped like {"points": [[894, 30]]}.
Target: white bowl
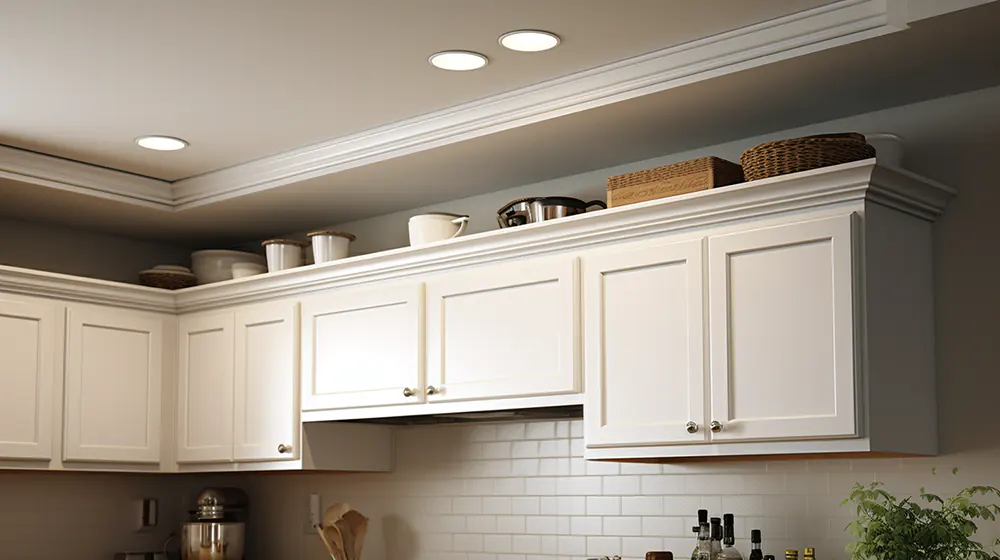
{"points": [[216, 265], [244, 269]]}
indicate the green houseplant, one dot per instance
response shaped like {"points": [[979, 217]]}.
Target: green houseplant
{"points": [[891, 529]]}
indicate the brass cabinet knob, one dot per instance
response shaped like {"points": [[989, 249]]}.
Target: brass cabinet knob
{"points": [[716, 426], [407, 392], [692, 427], [284, 448], [432, 390]]}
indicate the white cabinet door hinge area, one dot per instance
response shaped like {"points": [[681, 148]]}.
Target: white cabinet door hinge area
{"points": [[508, 330], [644, 343], [782, 332], [114, 363]]}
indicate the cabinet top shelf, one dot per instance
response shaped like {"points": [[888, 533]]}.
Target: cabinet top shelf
{"points": [[854, 181]]}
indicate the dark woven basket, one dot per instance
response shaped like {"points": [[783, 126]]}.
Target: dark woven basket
{"points": [[780, 157]]}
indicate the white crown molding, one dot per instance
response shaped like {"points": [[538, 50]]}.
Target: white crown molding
{"points": [[794, 35], [88, 290], [53, 172], [820, 188]]}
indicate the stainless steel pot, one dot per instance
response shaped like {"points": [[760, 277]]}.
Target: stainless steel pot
{"points": [[211, 540], [542, 208]]}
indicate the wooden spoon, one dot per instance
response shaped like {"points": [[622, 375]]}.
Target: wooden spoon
{"points": [[326, 541], [359, 528], [337, 541], [344, 528], [335, 512]]}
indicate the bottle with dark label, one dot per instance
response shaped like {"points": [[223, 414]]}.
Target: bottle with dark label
{"points": [[729, 550], [755, 553], [716, 532]]}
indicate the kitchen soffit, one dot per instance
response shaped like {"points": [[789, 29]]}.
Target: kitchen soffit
{"points": [[177, 104], [938, 57]]}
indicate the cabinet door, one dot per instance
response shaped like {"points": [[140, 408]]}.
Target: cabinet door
{"points": [[114, 364], [782, 331], [503, 331], [266, 404], [644, 341], [205, 389], [27, 355], [363, 348]]}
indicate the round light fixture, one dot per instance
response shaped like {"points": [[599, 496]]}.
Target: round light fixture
{"points": [[529, 40], [459, 61], [161, 143]]}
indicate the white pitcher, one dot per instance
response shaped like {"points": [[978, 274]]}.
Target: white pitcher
{"points": [[436, 226]]}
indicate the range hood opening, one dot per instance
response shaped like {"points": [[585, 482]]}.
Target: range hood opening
{"points": [[569, 412]]}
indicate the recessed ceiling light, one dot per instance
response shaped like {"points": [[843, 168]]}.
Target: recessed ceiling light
{"points": [[529, 40], [458, 60], [161, 143]]}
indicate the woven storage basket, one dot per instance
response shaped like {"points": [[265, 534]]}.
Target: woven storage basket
{"points": [[669, 180], [801, 154]]}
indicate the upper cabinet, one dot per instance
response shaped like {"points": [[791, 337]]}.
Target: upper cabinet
{"points": [[644, 341], [27, 375], [363, 347], [114, 368], [507, 330], [238, 385], [782, 332]]}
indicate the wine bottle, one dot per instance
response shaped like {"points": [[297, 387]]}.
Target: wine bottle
{"points": [[755, 553], [729, 550]]}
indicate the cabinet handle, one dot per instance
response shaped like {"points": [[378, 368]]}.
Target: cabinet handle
{"points": [[432, 390], [692, 427], [716, 426], [282, 448], [407, 392]]}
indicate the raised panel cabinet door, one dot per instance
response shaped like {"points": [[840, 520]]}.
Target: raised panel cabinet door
{"points": [[27, 356], [205, 388], [114, 363], [505, 330], [266, 404], [363, 348], [644, 346], [782, 332]]}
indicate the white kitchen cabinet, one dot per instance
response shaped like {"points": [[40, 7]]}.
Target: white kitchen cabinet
{"points": [[644, 345], [205, 388], [27, 373], [114, 363], [782, 332], [506, 330], [238, 383], [266, 405], [363, 347]]}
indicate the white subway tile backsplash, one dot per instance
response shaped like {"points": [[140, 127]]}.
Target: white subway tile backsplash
{"points": [[623, 526], [497, 543], [496, 505], [553, 448], [524, 449], [525, 505], [542, 430], [642, 505], [586, 526], [621, 485], [662, 484], [517, 492], [604, 505]]}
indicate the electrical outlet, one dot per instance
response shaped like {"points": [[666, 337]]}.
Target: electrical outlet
{"points": [[314, 514]]}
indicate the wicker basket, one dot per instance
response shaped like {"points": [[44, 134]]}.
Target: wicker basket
{"points": [[801, 154], [669, 180]]}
